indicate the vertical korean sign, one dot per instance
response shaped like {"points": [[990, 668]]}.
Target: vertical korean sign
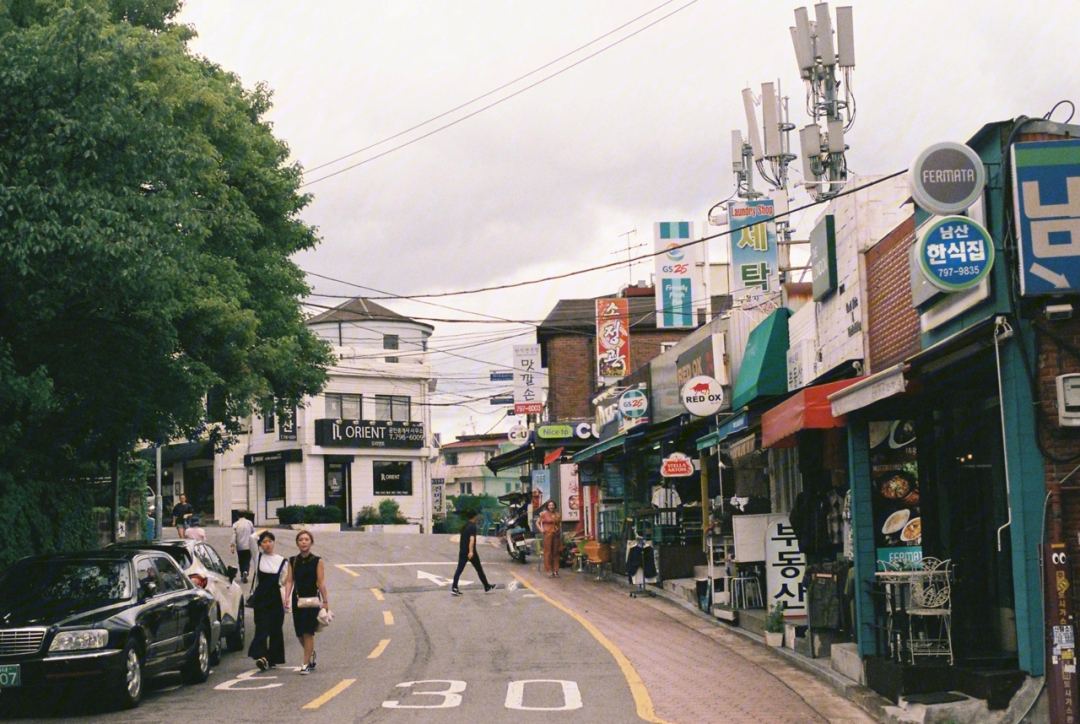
{"points": [[755, 263], [612, 338], [1061, 634], [528, 380], [785, 566], [675, 269]]}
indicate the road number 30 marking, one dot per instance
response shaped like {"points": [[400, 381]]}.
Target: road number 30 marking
{"points": [[515, 695]]}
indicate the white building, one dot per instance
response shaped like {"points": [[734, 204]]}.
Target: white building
{"points": [[462, 466], [366, 438]]}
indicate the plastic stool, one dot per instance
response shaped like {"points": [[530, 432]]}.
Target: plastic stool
{"points": [[746, 592]]}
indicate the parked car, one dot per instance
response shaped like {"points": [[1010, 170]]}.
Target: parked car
{"points": [[102, 621], [202, 564]]}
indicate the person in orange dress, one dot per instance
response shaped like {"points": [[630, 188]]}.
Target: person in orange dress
{"points": [[550, 523]]}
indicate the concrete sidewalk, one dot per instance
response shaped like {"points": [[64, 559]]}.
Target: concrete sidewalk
{"points": [[697, 670]]}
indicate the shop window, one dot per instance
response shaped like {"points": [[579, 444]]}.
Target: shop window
{"points": [[465, 488], [451, 458], [268, 423], [391, 341], [342, 407], [392, 478], [275, 482], [392, 407]]}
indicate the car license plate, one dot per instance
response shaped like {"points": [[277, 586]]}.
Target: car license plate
{"points": [[9, 676]]}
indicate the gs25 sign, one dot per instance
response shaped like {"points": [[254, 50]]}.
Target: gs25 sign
{"points": [[675, 268]]}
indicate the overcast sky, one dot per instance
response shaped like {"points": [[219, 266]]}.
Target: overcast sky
{"points": [[550, 180]]}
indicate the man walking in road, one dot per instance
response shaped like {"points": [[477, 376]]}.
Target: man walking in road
{"points": [[467, 552], [180, 513], [242, 531]]}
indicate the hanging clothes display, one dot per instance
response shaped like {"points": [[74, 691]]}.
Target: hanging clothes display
{"points": [[641, 563]]}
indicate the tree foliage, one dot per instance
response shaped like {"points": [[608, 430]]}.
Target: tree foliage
{"points": [[147, 221]]}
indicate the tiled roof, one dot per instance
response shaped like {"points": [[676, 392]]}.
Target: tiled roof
{"points": [[360, 310]]}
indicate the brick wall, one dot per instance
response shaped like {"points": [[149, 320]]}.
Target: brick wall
{"points": [[571, 369], [893, 333]]}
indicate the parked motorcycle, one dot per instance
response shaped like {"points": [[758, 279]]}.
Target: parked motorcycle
{"points": [[514, 527]]}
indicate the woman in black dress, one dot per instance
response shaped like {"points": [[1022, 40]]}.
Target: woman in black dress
{"points": [[306, 581], [269, 605]]}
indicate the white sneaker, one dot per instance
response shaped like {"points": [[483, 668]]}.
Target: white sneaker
{"points": [[305, 670]]}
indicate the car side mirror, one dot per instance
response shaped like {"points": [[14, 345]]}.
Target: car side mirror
{"points": [[149, 589], [232, 571]]}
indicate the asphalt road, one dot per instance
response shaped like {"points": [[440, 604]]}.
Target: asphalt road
{"points": [[400, 647]]}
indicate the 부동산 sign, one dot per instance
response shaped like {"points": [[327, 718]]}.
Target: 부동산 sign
{"points": [[1046, 196], [954, 253]]}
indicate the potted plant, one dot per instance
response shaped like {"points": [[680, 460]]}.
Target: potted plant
{"points": [[774, 625]]}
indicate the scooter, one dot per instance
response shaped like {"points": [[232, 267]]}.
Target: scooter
{"points": [[514, 527]]}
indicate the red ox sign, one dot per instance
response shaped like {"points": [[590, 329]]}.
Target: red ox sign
{"points": [[677, 465], [702, 396]]}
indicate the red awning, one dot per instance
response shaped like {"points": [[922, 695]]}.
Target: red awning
{"points": [[553, 456], [809, 408]]}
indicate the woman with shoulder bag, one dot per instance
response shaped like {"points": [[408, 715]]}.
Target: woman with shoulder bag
{"points": [[269, 605], [306, 588]]}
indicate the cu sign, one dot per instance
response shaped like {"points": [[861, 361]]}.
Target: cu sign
{"points": [[702, 396]]}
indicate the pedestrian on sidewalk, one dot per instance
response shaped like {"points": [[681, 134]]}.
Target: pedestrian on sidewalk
{"points": [[241, 543], [550, 523], [306, 589], [268, 602], [467, 553]]}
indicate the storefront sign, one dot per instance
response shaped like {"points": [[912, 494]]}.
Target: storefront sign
{"points": [[633, 409], [287, 426], [570, 492], [438, 487], [702, 396], [946, 178], [518, 435], [677, 465], [391, 478], [785, 565], [1061, 635], [704, 358], [823, 257], [369, 433], [528, 380], [894, 474], [754, 258], [611, 479], [1046, 196], [579, 430], [273, 458], [675, 269], [954, 253], [612, 338], [541, 489]]}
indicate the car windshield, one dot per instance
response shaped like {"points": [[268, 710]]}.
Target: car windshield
{"points": [[79, 584], [181, 554]]}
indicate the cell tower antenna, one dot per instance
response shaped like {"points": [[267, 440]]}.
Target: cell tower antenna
{"points": [[820, 59]]}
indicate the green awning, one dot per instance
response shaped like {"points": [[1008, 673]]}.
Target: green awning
{"points": [[732, 424], [594, 450], [764, 366]]}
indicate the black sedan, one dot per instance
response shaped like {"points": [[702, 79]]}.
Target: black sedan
{"points": [[103, 620]]}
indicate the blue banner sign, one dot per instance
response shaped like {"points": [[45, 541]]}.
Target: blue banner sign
{"points": [[1046, 191]]}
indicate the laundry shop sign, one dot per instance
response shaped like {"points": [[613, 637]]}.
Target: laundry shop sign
{"points": [[369, 434]]}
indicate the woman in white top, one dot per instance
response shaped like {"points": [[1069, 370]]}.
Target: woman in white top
{"points": [[268, 602]]}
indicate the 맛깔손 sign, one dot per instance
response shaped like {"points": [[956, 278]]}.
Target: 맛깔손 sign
{"points": [[955, 253]]}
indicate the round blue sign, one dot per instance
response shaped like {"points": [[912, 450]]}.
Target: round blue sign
{"points": [[955, 253]]}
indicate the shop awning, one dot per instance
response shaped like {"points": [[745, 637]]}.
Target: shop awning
{"points": [[512, 459], [599, 448], [734, 423], [807, 409], [868, 390], [764, 365]]}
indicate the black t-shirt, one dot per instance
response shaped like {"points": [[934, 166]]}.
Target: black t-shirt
{"points": [[180, 510], [467, 534]]}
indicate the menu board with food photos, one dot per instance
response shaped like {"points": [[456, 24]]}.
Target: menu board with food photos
{"points": [[894, 474]]}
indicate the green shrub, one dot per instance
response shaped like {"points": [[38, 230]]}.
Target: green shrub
{"points": [[390, 512], [368, 515], [304, 514]]}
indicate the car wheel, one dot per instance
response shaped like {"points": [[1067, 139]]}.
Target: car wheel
{"points": [[197, 668], [236, 639], [129, 691]]}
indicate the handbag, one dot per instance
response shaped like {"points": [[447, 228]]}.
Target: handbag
{"points": [[325, 617], [308, 602], [251, 601]]}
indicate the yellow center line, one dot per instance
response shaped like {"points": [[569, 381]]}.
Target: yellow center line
{"points": [[356, 575], [642, 700], [388, 618], [379, 649], [316, 703], [376, 593]]}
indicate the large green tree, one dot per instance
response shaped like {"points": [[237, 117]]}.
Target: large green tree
{"points": [[147, 221]]}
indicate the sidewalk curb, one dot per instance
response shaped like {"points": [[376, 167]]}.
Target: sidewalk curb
{"points": [[865, 698]]}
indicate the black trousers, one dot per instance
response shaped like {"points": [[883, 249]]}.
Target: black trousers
{"points": [[243, 559], [462, 560], [269, 639]]}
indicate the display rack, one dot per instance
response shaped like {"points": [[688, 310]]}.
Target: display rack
{"points": [[720, 551]]}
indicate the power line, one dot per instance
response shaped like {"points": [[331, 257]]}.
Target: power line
{"points": [[495, 103], [490, 92]]}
